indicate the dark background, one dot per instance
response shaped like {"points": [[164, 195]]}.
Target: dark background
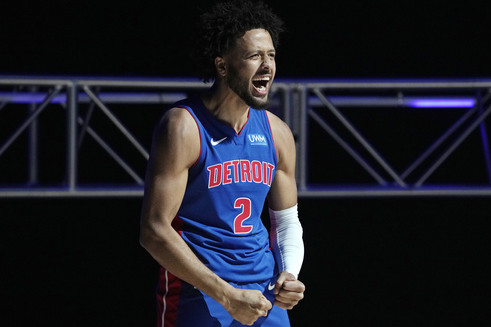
{"points": [[325, 39], [380, 262], [385, 262]]}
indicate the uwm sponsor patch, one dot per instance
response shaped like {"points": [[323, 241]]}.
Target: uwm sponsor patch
{"points": [[240, 171], [257, 139]]}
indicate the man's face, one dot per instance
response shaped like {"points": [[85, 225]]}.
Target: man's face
{"points": [[251, 68]]}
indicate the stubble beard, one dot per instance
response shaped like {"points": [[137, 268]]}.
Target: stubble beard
{"points": [[241, 87]]}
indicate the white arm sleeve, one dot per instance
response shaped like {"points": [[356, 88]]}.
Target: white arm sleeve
{"points": [[286, 239]]}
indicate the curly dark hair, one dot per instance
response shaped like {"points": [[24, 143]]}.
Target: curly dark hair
{"points": [[218, 30]]}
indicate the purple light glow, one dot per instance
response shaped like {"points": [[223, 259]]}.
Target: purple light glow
{"points": [[413, 102], [30, 98], [442, 103]]}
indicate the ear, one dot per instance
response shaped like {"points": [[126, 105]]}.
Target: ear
{"points": [[221, 66]]}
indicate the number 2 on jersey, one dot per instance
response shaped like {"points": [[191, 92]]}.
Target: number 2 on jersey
{"points": [[245, 205]]}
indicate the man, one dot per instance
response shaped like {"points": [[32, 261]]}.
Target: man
{"points": [[214, 160]]}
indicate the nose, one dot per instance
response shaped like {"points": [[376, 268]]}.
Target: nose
{"points": [[266, 64]]}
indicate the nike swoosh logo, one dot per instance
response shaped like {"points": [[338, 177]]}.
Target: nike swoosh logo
{"points": [[270, 287], [217, 142]]}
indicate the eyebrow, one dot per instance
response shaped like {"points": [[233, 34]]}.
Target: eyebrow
{"points": [[258, 50]]}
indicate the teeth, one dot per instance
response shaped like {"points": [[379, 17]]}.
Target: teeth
{"points": [[261, 79]]}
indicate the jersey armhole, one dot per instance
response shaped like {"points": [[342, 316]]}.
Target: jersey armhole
{"points": [[272, 136], [190, 111]]}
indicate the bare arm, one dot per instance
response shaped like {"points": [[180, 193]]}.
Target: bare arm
{"points": [[164, 190], [283, 195], [175, 149]]}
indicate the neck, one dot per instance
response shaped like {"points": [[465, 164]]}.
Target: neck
{"points": [[226, 106]]}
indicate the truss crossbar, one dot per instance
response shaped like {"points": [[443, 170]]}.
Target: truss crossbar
{"points": [[300, 103]]}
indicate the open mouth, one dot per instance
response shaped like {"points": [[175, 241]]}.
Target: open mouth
{"points": [[261, 84]]}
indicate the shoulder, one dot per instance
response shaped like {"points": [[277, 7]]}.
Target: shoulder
{"points": [[282, 134], [176, 122], [177, 136], [284, 143]]}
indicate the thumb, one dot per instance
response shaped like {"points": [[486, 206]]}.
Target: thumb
{"points": [[284, 276], [267, 304]]}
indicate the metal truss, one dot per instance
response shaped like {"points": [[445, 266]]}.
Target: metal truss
{"points": [[466, 102], [90, 136]]}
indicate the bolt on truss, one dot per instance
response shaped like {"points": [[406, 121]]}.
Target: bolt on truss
{"points": [[90, 136]]}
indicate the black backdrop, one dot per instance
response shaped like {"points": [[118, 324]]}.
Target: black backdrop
{"points": [[385, 262], [381, 262], [324, 39]]}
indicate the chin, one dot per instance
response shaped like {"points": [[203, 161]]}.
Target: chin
{"points": [[256, 102], [259, 104]]}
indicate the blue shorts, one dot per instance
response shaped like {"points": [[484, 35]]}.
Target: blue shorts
{"points": [[179, 304]]}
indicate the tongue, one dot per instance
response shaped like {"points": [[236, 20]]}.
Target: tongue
{"points": [[260, 89]]}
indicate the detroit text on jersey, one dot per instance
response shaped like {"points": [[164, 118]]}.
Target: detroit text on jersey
{"points": [[240, 171]]}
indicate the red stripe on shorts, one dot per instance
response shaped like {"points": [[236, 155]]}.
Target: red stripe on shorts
{"points": [[168, 291]]}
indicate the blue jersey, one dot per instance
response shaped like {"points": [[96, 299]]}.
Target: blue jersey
{"points": [[220, 215]]}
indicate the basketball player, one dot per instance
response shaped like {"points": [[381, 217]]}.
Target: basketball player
{"points": [[215, 159]]}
